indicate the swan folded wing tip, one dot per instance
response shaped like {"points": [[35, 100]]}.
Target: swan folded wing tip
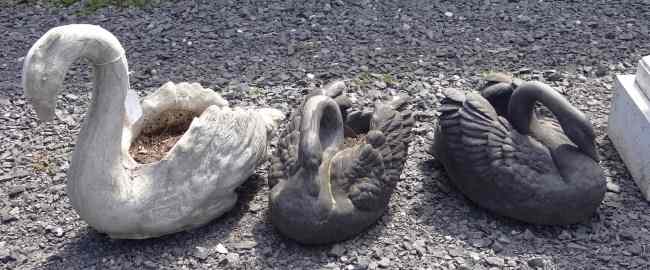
{"points": [[270, 117], [454, 94], [478, 104], [448, 108], [398, 132], [184, 96], [494, 153], [230, 133], [365, 195], [366, 190]]}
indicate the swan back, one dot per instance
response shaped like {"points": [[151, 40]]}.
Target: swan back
{"points": [[507, 172]]}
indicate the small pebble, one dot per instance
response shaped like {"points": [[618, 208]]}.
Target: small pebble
{"points": [[495, 261], [201, 253], [613, 187], [336, 251], [564, 235], [536, 263], [221, 249], [384, 262]]}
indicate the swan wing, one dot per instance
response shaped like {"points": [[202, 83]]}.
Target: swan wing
{"points": [[221, 148], [375, 170], [284, 162], [395, 123], [217, 153], [486, 147], [364, 178]]}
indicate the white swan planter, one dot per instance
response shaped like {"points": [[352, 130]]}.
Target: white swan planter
{"points": [[192, 185]]}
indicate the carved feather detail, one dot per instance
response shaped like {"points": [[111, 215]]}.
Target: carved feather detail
{"points": [[542, 175], [383, 154], [284, 162], [352, 181], [488, 146]]}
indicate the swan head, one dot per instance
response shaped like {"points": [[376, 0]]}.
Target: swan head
{"points": [[50, 57], [42, 76], [43, 104], [582, 134]]}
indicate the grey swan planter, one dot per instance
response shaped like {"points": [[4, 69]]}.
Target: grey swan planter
{"points": [[192, 185], [509, 159], [324, 190]]}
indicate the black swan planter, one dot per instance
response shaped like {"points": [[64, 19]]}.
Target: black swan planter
{"points": [[327, 187], [192, 184], [508, 158]]}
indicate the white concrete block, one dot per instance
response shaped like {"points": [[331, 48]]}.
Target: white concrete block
{"points": [[643, 75], [629, 124]]}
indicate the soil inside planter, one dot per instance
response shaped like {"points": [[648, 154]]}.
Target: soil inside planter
{"points": [[159, 136], [351, 139], [354, 141]]}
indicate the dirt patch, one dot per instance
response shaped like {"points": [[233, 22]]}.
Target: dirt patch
{"points": [[354, 140], [154, 143]]}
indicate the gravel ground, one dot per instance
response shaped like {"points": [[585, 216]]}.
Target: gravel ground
{"points": [[269, 53]]}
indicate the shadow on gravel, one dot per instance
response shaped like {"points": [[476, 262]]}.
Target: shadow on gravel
{"points": [[91, 248], [280, 252], [454, 215]]}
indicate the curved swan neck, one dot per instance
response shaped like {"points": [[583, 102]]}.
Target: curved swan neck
{"points": [[321, 128], [521, 107], [51, 56], [102, 130], [97, 152]]}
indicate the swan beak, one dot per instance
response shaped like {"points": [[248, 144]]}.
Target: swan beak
{"points": [[41, 95], [41, 84]]}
